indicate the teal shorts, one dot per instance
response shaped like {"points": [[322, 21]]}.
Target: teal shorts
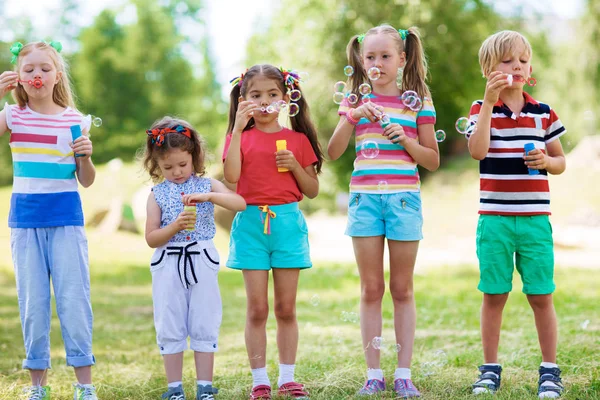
{"points": [[504, 241], [397, 216], [284, 245]]}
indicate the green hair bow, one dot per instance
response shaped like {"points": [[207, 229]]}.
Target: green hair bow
{"points": [[15, 49], [56, 45], [403, 33], [361, 37]]}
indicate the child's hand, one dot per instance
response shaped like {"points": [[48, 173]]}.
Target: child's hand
{"points": [[369, 110], [184, 220], [192, 199], [395, 133], [8, 81], [286, 159], [82, 145], [244, 112], [497, 82], [535, 159]]}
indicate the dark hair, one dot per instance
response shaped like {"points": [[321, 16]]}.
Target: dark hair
{"points": [[300, 123], [153, 152], [415, 68]]}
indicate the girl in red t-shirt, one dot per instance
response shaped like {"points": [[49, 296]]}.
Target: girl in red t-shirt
{"points": [[273, 167]]}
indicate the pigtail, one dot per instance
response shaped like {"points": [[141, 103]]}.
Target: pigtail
{"points": [[354, 60], [302, 123], [415, 70]]}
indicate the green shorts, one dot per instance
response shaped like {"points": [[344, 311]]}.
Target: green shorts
{"points": [[506, 240]]}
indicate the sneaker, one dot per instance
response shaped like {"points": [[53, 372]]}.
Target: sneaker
{"points": [[372, 386], [262, 392], [550, 385], [37, 392], [174, 393], [84, 392], [205, 392], [405, 389], [489, 379], [293, 389]]}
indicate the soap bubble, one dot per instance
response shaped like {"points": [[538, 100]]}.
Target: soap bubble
{"points": [[293, 109], [339, 86], [364, 89], [374, 73], [348, 70], [369, 149], [338, 97], [440, 135]]}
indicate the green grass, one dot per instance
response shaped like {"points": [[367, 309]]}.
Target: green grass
{"points": [[330, 359]]}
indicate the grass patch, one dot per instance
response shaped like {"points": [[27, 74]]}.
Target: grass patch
{"points": [[330, 359]]}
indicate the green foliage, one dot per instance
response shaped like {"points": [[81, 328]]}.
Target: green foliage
{"points": [[131, 75], [452, 32]]}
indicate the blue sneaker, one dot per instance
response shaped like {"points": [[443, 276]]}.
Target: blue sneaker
{"points": [[550, 385], [405, 389], [174, 393], [205, 392], [372, 386], [489, 380]]}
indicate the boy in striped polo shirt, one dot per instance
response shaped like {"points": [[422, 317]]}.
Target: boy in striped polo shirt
{"points": [[515, 205]]}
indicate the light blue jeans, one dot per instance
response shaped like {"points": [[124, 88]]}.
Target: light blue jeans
{"points": [[60, 253]]}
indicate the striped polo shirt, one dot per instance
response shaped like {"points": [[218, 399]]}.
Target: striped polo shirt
{"points": [[389, 168], [44, 183], [506, 188]]}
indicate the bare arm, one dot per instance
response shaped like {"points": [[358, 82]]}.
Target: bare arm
{"points": [[86, 172], [233, 162], [425, 152], [3, 124], [343, 131], [220, 196], [554, 161], [339, 140], [479, 142], [157, 236], [232, 169]]}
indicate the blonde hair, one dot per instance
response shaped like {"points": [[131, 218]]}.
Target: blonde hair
{"points": [[497, 46], [415, 69], [62, 94]]}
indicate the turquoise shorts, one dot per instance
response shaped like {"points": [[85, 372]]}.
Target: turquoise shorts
{"points": [[397, 216], [506, 240], [261, 240]]}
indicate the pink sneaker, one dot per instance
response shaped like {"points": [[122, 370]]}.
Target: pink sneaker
{"points": [[261, 392], [372, 386], [293, 389], [404, 389]]}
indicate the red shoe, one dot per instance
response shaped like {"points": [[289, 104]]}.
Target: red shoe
{"points": [[262, 392], [293, 389]]}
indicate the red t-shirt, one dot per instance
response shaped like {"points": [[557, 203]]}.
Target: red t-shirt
{"points": [[260, 183]]}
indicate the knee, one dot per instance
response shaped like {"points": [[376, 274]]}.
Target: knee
{"points": [[257, 314], [372, 292], [401, 292], [285, 312], [540, 302]]}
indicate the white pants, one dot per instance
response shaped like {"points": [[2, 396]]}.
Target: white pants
{"points": [[182, 308]]}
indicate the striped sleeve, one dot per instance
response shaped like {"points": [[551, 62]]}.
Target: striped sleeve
{"points": [[427, 113], [8, 113], [555, 128], [474, 112], [344, 107], [86, 123]]}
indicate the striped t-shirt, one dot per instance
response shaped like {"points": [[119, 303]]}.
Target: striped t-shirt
{"points": [[506, 188], [382, 166], [44, 183]]}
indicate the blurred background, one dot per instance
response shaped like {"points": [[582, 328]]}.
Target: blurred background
{"points": [[133, 61]]}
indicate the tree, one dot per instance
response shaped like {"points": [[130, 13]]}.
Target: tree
{"points": [[452, 32]]}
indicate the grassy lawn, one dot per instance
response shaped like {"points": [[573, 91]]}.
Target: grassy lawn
{"points": [[330, 357]]}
